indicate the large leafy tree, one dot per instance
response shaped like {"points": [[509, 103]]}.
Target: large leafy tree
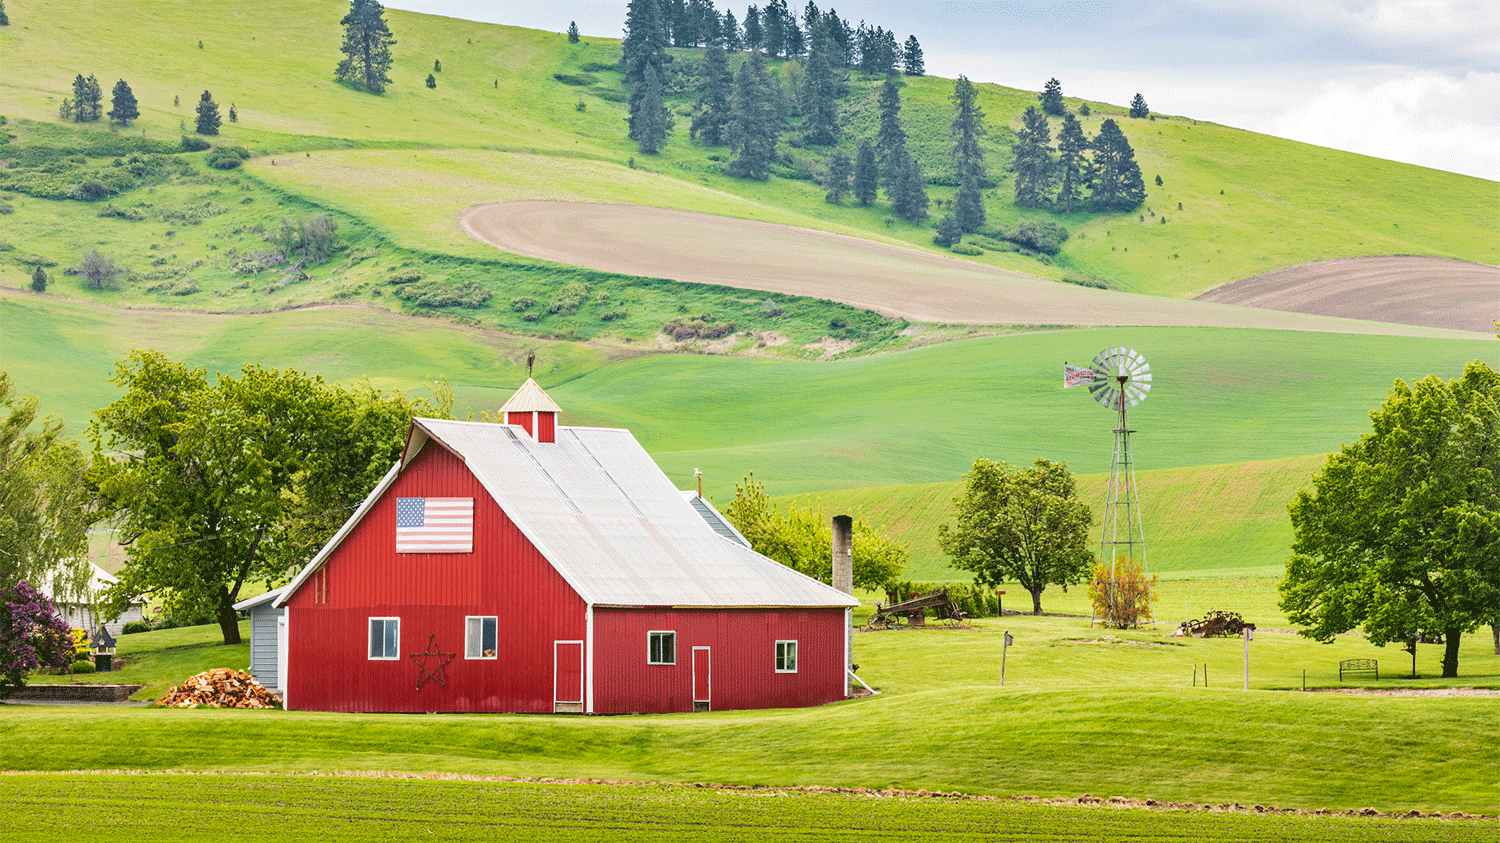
{"points": [[218, 483], [366, 48], [1023, 525], [31, 636], [123, 107], [968, 156], [1032, 161], [757, 120], [1400, 531], [715, 107], [45, 505], [1117, 181], [802, 538]]}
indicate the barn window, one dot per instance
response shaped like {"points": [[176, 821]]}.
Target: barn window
{"points": [[385, 638], [479, 637], [786, 656], [661, 648]]}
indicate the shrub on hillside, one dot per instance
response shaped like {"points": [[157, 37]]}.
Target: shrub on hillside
{"points": [[132, 627], [1042, 236], [1083, 279], [704, 327], [965, 249], [569, 299], [578, 79], [468, 294], [227, 157], [132, 214], [404, 276], [192, 144]]}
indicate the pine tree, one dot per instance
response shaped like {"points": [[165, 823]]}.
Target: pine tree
{"points": [[909, 190], [123, 107], [234, 114], [573, 32], [208, 115], [1118, 185], [773, 21], [890, 135], [734, 40], [1138, 107], [95, 99], [866, 174], [968, 156], [88, 99], [840, 169], [437, 65], [431, 81], [1072, 163], [1032, 161], [644, 45], [4, 18], [1051, 98], [65, 110], [819, 94], [757, 122], [715, 107], [39, 279], [653, 121], [949, 231], [755, 34], [911, 57], [366, 48]]}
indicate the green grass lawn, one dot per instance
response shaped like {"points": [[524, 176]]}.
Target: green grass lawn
{"points": [[200, 807], [163, 658]]}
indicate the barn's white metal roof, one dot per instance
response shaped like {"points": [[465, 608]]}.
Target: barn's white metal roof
{"points": [[612, 524]]}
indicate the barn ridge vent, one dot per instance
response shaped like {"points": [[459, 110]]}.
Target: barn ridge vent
{"points": [[533, 410]]}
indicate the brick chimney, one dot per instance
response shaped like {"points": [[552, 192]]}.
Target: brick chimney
{"points": [[533, 410]]}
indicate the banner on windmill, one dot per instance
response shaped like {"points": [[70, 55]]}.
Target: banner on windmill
{"points": [[1076, 376]]}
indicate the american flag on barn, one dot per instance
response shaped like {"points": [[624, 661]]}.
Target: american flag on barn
{"points": [[558, 570]]}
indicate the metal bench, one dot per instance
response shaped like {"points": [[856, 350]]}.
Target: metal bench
{"points": [[1359, 666]]}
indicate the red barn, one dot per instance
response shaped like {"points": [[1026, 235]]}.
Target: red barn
{"points": [[529, 567]]}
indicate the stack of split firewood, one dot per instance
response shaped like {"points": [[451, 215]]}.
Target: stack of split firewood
{"points": [[221, 688]]}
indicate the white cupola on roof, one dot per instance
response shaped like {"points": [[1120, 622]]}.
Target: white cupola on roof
{"points": [[533, 410]]}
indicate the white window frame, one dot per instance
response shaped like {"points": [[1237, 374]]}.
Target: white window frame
{"points": [[371, 639], [469, 646], [781, 656], [668, 635]]}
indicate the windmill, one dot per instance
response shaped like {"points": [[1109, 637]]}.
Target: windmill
{"points": [[1118, 379]]}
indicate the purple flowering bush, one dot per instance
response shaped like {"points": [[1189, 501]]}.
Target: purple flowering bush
{"points": [[32, 636]]}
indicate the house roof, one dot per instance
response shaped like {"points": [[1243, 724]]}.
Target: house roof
{"points": [[99, 580], [259, 599], [608, 520], [714, 518]]}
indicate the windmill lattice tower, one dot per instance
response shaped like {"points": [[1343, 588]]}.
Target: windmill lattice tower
{"points": [[1118, 379]]}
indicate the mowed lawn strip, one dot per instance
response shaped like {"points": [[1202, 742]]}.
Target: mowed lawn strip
{"points": [[333, 808]]}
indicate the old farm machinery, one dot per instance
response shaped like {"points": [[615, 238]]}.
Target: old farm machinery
{"points": [[913, 612], [1216, 623]]}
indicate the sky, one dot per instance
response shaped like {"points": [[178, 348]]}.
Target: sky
{"points": [[1409, 80]]}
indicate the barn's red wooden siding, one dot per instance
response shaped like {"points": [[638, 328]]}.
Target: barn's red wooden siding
{"points": [[742, 644], [328, 650]]}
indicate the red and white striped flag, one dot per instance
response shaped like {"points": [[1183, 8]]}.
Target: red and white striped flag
{"points": [[434, 525]]}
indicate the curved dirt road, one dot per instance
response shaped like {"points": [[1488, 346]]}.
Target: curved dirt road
{"points": [[908, 283], [1439, 292]]}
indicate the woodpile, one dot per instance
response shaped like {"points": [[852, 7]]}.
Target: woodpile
{"points": [[220, 688]]}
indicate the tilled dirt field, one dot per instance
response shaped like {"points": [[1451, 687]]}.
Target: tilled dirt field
{"points": [[897, 281], [1438, 292]]}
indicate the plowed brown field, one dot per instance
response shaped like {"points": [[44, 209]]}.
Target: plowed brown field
{"points": [[897, 281]]}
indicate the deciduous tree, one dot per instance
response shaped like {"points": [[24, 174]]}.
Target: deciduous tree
{"points": [[216, 484], [802, 538], [1023, 525], [1400, 531], [99, 270], [45, 506], [208, 115], [366, 48], [1032, 159], [1121, 593], [968, 156], [32, 636]]}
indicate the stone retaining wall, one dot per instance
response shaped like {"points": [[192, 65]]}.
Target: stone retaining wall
{"points": [[76, 693]]}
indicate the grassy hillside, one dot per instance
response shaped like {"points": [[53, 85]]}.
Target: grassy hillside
{"points": [[502, 125]]}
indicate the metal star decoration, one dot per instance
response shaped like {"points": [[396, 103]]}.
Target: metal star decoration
{"points": [[436, 673]]}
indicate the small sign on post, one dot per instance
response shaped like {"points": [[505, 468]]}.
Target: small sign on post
{"points": [[1003, 648]]}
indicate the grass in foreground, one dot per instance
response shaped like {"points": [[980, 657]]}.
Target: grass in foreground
{"points": [[202, 807]]}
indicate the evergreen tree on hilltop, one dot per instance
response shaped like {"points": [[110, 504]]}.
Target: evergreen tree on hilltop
{"points": [[755, 34], [644, 45], [866, 175], [1052, 98], [908, 188], [890, 135], [734, 40], [653, 122], [208, 115], [911, 57], [819, 95], [968, 156], [715, 105], [811, 17], [1072, 164], [773, 21], [4, 18], [757, 120], [1032, 160], [573, 32], [1138, 108], [123, 107], [366, 48], [1118, 185], [840, 168]]}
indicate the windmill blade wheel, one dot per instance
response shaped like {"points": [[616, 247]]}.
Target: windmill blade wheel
{"points": [[1123, 376]]}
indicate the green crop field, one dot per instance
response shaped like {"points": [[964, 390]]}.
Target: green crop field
{"points": [[201, 807]]}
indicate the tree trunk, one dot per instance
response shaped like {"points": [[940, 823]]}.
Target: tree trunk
{"points": [[1451, 638], [1036, 602], [1495, 631], [229, 622]]}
